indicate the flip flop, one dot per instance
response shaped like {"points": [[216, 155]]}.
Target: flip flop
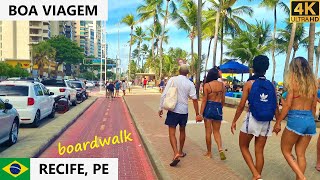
{"points": [[174, 162], [183, 155]]}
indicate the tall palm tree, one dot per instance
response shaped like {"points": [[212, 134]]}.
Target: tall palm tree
{"points": [[151, 9], [144, 50], [317, 52], [312, 31], [138, 37], [41, 54], [247, 45], [290, 46], [230, 19], [165, 21], [129, 21], [186, 19]]}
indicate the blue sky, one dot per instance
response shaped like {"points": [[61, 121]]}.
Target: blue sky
{"points": [[178, 38]]}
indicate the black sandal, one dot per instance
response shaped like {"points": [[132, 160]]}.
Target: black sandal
{"points": [[175, 162]]}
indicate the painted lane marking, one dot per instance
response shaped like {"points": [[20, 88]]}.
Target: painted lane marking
{"points": [[102, 127]]}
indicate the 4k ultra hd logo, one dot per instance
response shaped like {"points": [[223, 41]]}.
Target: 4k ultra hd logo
{"points": [[15, 168], [304, 11]]}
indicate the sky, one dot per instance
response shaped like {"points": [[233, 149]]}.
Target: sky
{"points": [[179, 38]]}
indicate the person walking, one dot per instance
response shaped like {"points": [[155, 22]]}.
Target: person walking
{"points": [[179, 115], [117, 86], [124, 87], [262, 107], [300, 106], [110, 88], [130, 85], [145, 82], [211, 109], [161, 85]]}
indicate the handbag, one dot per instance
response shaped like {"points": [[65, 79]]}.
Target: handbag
{"points": [[170, 101]]}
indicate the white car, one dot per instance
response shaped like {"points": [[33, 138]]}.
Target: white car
{"points": [[62, 87], [9, 124], [32, 100], [90, 84]]}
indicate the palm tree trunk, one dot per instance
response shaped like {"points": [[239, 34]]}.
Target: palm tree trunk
{"points": [[311, 44], [294, 54], [293, 32], [162, 35], [221, 42], [129, 70], [139, 57], [192, 59], [205, 69], [317, 58], [274, 42], [216, 29]]}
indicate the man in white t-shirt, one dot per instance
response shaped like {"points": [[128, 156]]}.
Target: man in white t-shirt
{"points": [[179, 115]]}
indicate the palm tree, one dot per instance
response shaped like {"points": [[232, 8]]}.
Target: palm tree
{"points": [[187, 20], [165, 21], [317, 52], [247, 45], [41, 54], [151, 9], [129, 21], [312, 31], [138, 38], [144, 50]]}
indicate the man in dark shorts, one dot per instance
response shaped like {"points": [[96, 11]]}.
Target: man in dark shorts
{"points": [[179, 115], [110, 88]]}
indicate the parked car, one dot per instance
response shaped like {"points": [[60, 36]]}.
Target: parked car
{"points": [[90, 84], [9, 124], [80, 87], [32, 100], [61, 87]]}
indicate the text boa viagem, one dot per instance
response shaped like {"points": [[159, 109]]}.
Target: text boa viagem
{"points": [[54, 10], [96, 143]]}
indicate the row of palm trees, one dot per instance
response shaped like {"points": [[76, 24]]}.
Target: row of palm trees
{"points": [[222, 22]]}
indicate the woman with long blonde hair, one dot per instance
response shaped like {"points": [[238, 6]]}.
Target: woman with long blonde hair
{"points": [[300, 106]]}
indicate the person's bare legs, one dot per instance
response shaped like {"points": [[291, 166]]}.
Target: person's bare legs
{"points": [[216, 134], [301, 147], [244, 142], [208, 127], [182, 139], [259, 144], [288, 140], [173, 141], [318, 154]]}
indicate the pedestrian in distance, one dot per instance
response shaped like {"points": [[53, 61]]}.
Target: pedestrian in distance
{"points": [[145, 82], [261, 95], [130, 85], [211, 109], [106, 86], [161, 85], [110, 88], [179, 115], [117, 87], [124, 87], [300, 106]]}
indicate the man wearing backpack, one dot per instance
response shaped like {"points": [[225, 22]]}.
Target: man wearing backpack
{"points": [[262, 98], [179, 114]]}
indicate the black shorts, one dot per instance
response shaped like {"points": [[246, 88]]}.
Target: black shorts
{"points": [[173, 119]]}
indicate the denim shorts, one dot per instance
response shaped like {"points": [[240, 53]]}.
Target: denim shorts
{"points": [[301, 122], [173, 119], [213, 111]]}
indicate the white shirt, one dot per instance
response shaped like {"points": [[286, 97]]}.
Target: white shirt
{"points": [[186, 90]]}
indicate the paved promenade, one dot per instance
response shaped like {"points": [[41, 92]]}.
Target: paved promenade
{"points": [[143, 105]]}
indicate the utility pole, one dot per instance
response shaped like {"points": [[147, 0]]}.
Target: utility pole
{"points": [[101, 64], [199, 46], [118, 60]]}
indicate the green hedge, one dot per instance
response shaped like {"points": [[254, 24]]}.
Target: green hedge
{"points": [[7, 70]]}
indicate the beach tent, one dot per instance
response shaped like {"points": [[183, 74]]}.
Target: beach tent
{"points": [[233, 67]]}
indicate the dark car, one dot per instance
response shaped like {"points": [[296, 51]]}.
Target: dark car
{"points": [[81, 90]]}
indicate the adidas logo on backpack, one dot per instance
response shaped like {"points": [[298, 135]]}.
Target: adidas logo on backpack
{"points": [[262, 100], [263, 97]]}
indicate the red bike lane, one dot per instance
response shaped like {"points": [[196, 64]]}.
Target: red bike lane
{"points": [[107, 118]]}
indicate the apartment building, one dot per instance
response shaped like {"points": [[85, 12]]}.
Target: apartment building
{"points": [[65, 28], [16, 38], [88, 37]]}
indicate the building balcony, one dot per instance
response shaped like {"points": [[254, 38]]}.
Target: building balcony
{"points": [[35, 35], [46, 22], [35, 26]]}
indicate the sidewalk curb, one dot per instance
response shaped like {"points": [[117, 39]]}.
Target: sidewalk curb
{"points": [[55, 137], [160, 172]]}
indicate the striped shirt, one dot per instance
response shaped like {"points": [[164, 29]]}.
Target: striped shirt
{"points": [[186, 90]]}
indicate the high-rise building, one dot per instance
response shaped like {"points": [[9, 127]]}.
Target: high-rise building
{"points": [[16, 38], [65, 28], [88, 37]]}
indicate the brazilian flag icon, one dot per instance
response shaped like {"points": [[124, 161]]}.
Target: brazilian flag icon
{"points": [[15, 168]]}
